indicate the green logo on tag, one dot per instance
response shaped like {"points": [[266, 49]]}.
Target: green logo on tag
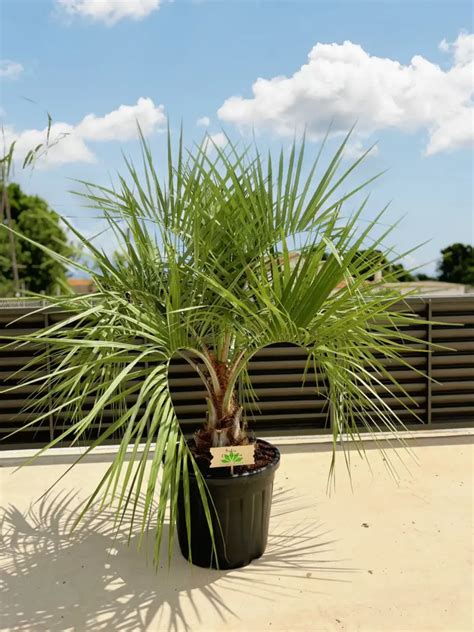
{"points": [[232, 457]]}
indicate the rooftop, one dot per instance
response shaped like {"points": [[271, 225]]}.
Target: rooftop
{"points": [[385, 556]]}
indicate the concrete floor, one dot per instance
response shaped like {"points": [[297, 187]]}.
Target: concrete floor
{"points": [[384, 556]]}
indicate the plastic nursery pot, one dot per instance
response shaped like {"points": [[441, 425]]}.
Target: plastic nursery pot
{"points": [[240, 521]]}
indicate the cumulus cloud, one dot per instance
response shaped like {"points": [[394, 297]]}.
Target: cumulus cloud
{"points": [[121, 124], [10, 69], [69, 143], [462, 48], [108, 11], [342, 83], [64, 145], [355, 147], [219, 139], [204, 121], [214, 141]]}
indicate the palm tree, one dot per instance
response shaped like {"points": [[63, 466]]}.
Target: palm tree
{"points": [[206, 272]]}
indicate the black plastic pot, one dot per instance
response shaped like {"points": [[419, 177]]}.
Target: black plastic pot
{"points": [[240, 522]]}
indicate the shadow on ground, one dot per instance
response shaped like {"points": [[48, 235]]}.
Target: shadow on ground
{"points": [[55, 580]]}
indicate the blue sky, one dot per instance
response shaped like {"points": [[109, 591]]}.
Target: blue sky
{"points": [[406, 76]]}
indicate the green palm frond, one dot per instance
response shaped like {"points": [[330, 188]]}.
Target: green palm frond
{"points": [[205, 270]]}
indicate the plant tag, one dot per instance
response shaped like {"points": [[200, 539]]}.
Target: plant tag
{"points": [[233, 455]]}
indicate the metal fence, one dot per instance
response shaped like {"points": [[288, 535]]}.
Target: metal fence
{"points": [[283, 404]]}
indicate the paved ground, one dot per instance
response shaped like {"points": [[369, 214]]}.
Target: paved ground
{"points": [[386, 556]]}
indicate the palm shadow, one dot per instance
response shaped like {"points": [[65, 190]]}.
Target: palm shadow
{"points": [[54, 580]]}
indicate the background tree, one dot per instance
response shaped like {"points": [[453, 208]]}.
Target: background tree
{"points": [[457, 264], [32, 217], [422, 276]]}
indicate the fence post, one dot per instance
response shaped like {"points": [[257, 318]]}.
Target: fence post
{"points": [[48, 366], [429, 314]]}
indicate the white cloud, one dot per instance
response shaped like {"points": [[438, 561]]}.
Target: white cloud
{"points": [[213, 141], [462, 48], [342, 83], [108, 11], [356, 147], [455, 132], [65, 145], [121, 124], [10, 69], [219, 139], [68, 143], [204, 121]]}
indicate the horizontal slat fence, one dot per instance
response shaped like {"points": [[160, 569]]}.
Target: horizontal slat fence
{"points": [[283, 403]]}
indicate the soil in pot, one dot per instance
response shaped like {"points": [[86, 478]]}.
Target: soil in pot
{"points": [[241, 518]]}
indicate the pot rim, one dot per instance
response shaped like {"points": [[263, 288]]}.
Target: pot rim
{"points": [[270, 466]]}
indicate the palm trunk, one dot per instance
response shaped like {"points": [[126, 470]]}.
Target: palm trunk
{"points": [[223, 426]]}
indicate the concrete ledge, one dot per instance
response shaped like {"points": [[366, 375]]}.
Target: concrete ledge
{"points": [[11, 458]]}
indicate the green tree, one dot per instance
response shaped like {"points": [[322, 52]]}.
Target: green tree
{"points": [[422, 276], [33, 218], [457, 264]]}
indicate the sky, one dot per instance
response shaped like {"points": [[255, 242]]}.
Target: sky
{"points": [[401, 70]]}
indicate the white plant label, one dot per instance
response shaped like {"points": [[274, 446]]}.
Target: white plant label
{"points": [[233, 455]]}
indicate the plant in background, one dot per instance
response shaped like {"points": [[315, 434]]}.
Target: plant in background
{"points": [[457, 264], [37, 271], [206, 273], [25, 266]]}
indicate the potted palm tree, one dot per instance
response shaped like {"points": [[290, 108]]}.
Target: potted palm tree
{"points": [[207, 272]]}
